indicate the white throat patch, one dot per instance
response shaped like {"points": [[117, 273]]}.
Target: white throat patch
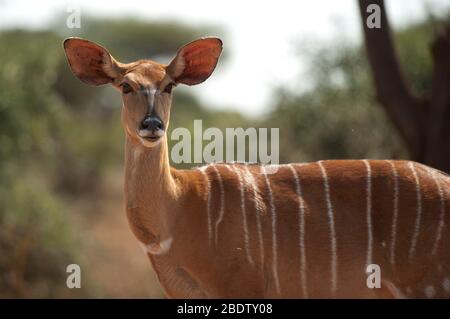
{"points": [[160, 248]]}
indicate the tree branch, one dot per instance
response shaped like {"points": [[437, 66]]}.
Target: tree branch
{"points": [[439, 106], [391, 88]]}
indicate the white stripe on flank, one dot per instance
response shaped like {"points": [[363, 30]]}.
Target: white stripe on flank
{"points": [[259, 208], [208, 203], [442, 213], [395, 213], [369, 212], [250, 179], [244, 214], [412, 249], [301, 218], [274, 231], [334, 259], [222, 206]]}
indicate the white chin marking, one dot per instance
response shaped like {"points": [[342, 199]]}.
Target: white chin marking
{"points": [[148, 143]]}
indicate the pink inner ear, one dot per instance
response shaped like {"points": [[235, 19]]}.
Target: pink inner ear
{"points": [[86, 61], [200, 58]]}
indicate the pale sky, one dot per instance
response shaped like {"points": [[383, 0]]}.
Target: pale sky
{"points": [[261, 35]]}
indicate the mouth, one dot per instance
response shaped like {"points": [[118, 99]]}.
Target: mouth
{"points": [[151, 136]]}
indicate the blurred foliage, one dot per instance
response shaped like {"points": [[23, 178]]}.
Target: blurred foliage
{"points": [[34, 237], [338, 117], [36, 241], [59, 137]]}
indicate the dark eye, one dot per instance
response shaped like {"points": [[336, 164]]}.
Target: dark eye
{"points": [[126, 88], [168, 88]]}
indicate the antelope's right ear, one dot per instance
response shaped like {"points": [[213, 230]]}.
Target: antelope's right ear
{"points": [[90, 62]]}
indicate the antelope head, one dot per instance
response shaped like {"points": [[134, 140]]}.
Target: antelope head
{"points": [[146, 86]]}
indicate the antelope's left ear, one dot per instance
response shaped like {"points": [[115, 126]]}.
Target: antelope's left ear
{"points": [[195, 62]]}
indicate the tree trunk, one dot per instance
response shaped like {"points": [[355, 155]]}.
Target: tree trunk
{"points": [[423, 122]]}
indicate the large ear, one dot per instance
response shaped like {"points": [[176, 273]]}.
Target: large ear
{"points": [[90, 62], [195, 62]]}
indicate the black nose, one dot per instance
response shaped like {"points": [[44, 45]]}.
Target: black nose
{"points": [[152, 123]]}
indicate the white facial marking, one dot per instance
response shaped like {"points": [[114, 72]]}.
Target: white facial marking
{"points": [[334, 257], [151, 94], [148, 143]]}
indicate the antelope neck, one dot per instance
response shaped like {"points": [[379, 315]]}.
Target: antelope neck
{"points": [[150, 189]]}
